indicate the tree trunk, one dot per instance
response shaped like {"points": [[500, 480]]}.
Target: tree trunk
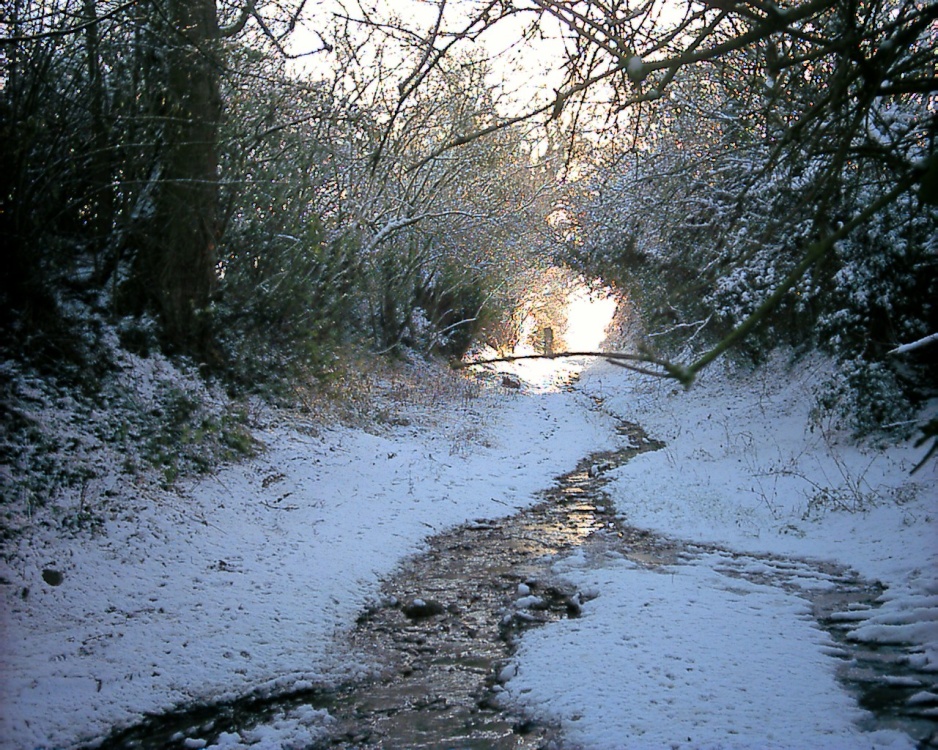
{"points": [[100, 169], [176, 264]]}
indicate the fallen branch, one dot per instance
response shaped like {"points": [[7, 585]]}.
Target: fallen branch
{"points": [[621, 359], [685, 374]]}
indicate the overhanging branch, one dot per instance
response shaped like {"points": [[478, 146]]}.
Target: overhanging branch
{"points": [[621, 359], [815, 252]]}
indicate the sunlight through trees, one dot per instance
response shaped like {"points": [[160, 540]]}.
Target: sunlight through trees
{"points": [[257, 185]]}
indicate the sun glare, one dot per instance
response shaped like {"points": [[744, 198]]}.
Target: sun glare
{"points": [[588, 318]]}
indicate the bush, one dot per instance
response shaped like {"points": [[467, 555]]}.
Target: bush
{"points": [[866, 397], [452, 307], [284, 305]]}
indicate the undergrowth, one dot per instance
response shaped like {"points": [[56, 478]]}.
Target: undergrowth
{"points": [[70, 457], [148, 421]]}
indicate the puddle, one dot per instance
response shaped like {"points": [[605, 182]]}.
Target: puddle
{"points": [[444, 627]]}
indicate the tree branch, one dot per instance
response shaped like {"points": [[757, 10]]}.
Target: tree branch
{"points": [[77, 28], [932, 339], [622, 359], [815, 252]]}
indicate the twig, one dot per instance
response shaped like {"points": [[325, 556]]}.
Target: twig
{"points": [[640, 370], [279, 507]]}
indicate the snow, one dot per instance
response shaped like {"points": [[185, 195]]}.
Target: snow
{"points": [[693, 654], [243, 581], [291, 730], [240, 582], [685, 657], [924, 341]]}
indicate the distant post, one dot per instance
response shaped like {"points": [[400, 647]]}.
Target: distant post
{"points": [[548, 342]]}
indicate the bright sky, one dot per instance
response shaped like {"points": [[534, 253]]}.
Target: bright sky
{"points": [[524, 74], [588, 318], [521, 71]]}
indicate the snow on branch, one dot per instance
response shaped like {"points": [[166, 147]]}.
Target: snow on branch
{"points": [[395, 225], [915, 344], [622, 359]]}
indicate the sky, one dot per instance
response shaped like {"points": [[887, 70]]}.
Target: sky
{"points": [[522, 73]]}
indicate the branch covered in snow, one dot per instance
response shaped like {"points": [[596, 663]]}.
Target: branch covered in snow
{"points": [[621, 359], [915, 344]]}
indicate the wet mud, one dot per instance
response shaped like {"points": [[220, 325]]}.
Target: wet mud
{"points": [[447, 623]]}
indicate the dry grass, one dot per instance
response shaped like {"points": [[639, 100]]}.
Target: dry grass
{"points": [[377, 394]]}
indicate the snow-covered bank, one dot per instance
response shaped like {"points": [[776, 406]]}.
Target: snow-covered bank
{"points": [[693, 656], [241, 580], [686, 657], [746, 465]]}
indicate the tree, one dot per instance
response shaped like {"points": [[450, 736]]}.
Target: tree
{"points": [[175, 265], [112, 113], [826, 67], [437, 235], [758, 168]]}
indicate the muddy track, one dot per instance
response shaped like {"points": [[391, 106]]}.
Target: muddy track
{"points": [[443, 628], [446, 624]]}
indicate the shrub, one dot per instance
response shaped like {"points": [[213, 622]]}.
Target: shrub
{"points": [[284, 305]]}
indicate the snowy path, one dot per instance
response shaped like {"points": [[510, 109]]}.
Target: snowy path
{"points": [[242, 582], [720, 649]]}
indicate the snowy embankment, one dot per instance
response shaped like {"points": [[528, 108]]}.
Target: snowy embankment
{"points": [[719, 650], [240, 581]]}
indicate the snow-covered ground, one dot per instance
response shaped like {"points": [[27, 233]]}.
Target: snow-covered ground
{"points": [[694, 654], [240, 581]]}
